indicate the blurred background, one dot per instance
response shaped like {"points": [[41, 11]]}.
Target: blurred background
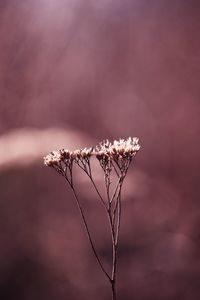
{"points": [[73, 73]]}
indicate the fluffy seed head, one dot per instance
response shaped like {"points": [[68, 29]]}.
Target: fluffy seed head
{"points": [[55, 157], [118, 149], [105, 150]]}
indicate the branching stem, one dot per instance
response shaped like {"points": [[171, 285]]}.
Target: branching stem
{"points": [[88, 232], [114, 159]]}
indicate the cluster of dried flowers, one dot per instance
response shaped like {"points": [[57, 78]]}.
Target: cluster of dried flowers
{"points": [[113, 158], [120, 152]]}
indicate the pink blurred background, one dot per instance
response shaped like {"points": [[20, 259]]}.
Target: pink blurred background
{"points": [[71, 74]]}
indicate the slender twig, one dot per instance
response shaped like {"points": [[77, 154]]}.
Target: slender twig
{"points": [[116, 201], [113, 286], [115, 191], [107, 183], [118, 217], [116, 171], [88, 232], [98, 193], [89, 174]]}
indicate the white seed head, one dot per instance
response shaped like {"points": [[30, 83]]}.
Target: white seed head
{"points": [[52, 158], [105, 150], [122, 148]]}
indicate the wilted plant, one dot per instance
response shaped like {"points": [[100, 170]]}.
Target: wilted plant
{"points": [[114, 159]]}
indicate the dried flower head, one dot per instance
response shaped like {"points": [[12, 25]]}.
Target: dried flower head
{"points": [[122, 148], [114, 158], [53, 158], [56, 157], [120, 152], [82, 153]]}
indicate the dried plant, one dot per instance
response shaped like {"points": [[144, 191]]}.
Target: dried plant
{"points": [[114, 159]]}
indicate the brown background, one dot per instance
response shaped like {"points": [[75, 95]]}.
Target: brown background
{"points": [[73, 73]]}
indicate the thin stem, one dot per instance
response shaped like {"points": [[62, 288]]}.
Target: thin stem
{"points": [[89, 174], [98, 193], [121, 179], [88, 232], [118, 218], [107, 183], [115, 242], [113, 285], [112, 232], [116, 171], [115, 191]]}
